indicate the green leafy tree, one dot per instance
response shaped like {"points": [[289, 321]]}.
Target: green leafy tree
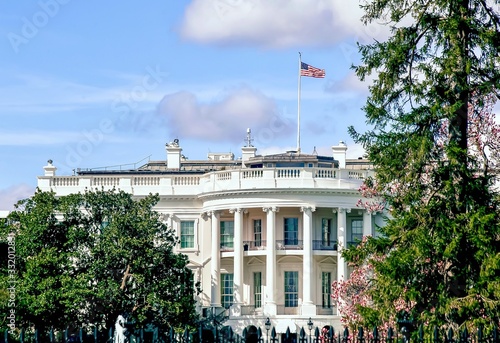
{"points": [[442, 241], [87, 258]]}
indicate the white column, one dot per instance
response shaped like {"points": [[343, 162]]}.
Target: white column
{"points": [[342, 244], [308, 307], [367, 224], [238, 261], [215, 270], [270, 307]]}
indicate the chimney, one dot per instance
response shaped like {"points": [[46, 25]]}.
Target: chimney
{"points": [[339, 154], [173, 154], [50, 170]]}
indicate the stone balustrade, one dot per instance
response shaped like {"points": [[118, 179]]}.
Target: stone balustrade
{"points": [[219, 181]]}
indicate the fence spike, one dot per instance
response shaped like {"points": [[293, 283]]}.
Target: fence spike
{"points": [[390, 334], [273, 334], [465, 335], [110, 334], [450, 335], [21, 336], [6, 336], [186, 335], [436, 334], [375, 335], [287, 333], [361, 334], [96, 335], [171, 334], [494, 335], [37, 338], [51, 335], [345, 339], [302, 336], [80, 335], [480, 334]]}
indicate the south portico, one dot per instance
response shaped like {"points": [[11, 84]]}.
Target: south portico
{"points": [[275, 250]]}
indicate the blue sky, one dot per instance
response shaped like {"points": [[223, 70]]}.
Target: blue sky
{"points": [[99, 83]]}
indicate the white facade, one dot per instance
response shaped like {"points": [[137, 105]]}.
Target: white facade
{"points": [[262, 233]]}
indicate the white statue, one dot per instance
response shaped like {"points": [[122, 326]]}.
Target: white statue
{"points": [[120, 330]]}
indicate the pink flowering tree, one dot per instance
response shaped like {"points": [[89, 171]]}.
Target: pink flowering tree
{"points": [[432, 259]]}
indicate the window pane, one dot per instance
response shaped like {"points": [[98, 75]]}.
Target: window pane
{"points": [[227, 234], [326, 281], [291, 231], [356, 230], [257, 286], [226, 290], [257, 230], [187, 234], [291, 289]]}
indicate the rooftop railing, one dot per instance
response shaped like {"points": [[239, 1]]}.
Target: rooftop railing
{"points": [[217, 181]]}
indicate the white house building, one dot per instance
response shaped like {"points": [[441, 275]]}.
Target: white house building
{"points": [[262, 233]]}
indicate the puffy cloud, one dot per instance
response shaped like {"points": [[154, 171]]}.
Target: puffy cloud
{"points": [[274, 23], [11, 195], [226, 118]]}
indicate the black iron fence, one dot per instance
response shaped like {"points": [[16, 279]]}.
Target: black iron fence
{"points": [[253, 335]]}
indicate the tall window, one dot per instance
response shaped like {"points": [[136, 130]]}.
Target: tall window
{"points": [[226, 293], [187, 234], [326, 289], [257, 289], [326, 231], [291, 231], [291, 289], [227, 234], [356, 230], [257, 232]]}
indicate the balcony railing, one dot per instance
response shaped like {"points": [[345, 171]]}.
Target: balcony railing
{"points": [[324, 245], [353, 244], [285, 245], [254, 245], [195, 184], [289, 244], [226, 247]]}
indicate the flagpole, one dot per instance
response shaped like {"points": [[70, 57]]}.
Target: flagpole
{"points": [[298, 106]]}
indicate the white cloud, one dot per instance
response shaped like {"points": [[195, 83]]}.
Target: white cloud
{"points": [[274, 23], [224, 119], [11, 195], [350, 84], [39, 94]]}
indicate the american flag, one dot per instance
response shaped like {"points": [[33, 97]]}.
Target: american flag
{"points": [[307, 70]]}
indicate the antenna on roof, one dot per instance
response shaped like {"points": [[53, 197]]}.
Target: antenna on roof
{"points": [[249, 138]]}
